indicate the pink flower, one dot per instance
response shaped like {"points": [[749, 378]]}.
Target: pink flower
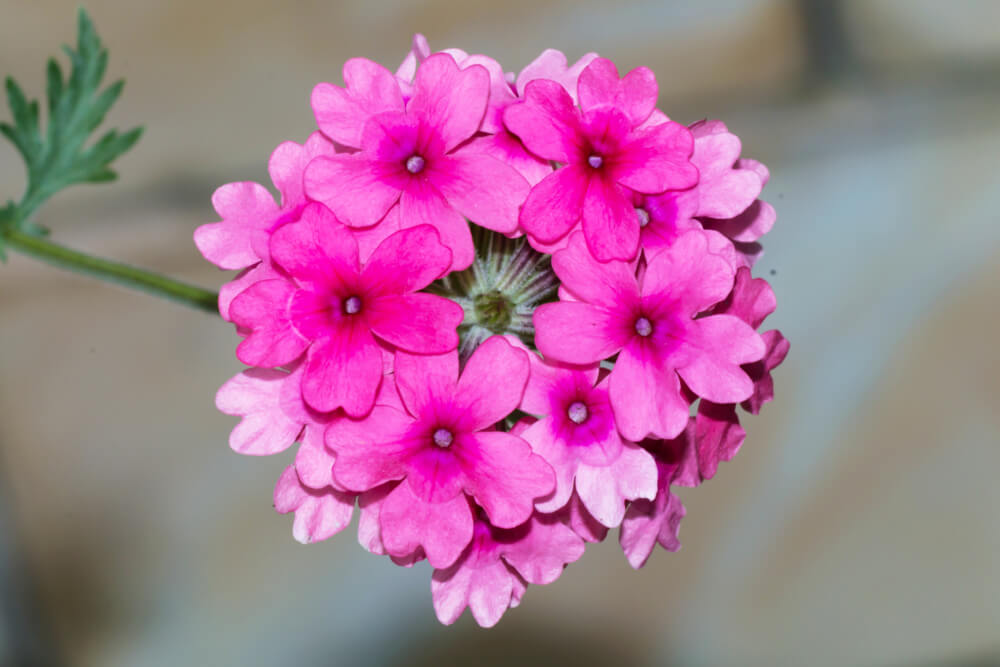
{"points": [[552, 65], [249, 212], [653, 324], [442, 447], [332, 307], [752, 300], [496, 567], [729, 187], [607, 156], [319, 513], [413, 157], [651, 522], [577, 436]]}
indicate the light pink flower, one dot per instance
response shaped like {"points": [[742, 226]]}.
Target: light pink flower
{"points": [[442, 447], [728, 189], [319, 513], [413, 157], [654, 326], [333, 308], [249, 212], [497, 565], [606, 157], [583, 523], [552, 65], [651, 522], [577, 436]]}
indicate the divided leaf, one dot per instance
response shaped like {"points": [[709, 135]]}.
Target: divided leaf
{"points": [[59, 157]]}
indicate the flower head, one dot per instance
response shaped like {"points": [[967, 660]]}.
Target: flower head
{"points": [[487, 307]]}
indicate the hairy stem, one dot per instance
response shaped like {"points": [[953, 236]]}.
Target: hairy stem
{"points": [[110, 271]]}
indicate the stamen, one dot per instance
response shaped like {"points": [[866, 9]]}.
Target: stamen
{"points": [[415, 164], [443, 437], [643, 327], [643, 216], [595, 161], [352, 305], [577, 412]]}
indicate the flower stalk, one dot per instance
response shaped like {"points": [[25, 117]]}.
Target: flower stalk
{"points": [[111, 271]]}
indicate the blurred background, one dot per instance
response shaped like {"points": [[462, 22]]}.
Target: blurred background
{"points": [[859, 525]]}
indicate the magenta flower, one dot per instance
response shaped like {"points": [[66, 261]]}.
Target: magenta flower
{"points": [[607, 156], [577, 436], [653, 325], [443, 448], [413, 157], [334, 308], [496, 567], [752, 300]]}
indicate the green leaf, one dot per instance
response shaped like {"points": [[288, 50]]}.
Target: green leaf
{"points": [[60, 156]]}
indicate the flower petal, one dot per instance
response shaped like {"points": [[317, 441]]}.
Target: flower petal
{"points": [[578, 333], [263, 309], [646, 397], [370, 89], [371, 451], [357, 189], [462, 178], [547, 122], [420, 323], [604, 490], [319, 515], [449, 100], [610, 224], [343, 370], [648, 522], [504, 476], [555, 204], [480, 398], [542, 552], [423, 204], [317, 251], [611, 285], [254, 395], [424, 379], [718, 436], [635, 93], [719, 345], [407, 261], [442, 530], [690, 273]]}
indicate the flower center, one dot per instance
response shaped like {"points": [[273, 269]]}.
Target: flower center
{"points": [[643, 327], [500, 291], [595, 161], [577, 412], [493, 310], [352, 305], [443, 438], [643, 216], [415, 164]]}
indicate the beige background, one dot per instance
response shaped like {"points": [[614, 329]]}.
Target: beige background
{"points": [[860, 525]]}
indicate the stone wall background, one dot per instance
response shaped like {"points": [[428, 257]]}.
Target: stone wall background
{"points": [[858, 526]]}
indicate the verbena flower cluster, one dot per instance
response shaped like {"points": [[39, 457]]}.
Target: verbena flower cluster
{"points": [[501, 315]]}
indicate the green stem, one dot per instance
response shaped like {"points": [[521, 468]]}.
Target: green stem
{"points": [[115, 272]]}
